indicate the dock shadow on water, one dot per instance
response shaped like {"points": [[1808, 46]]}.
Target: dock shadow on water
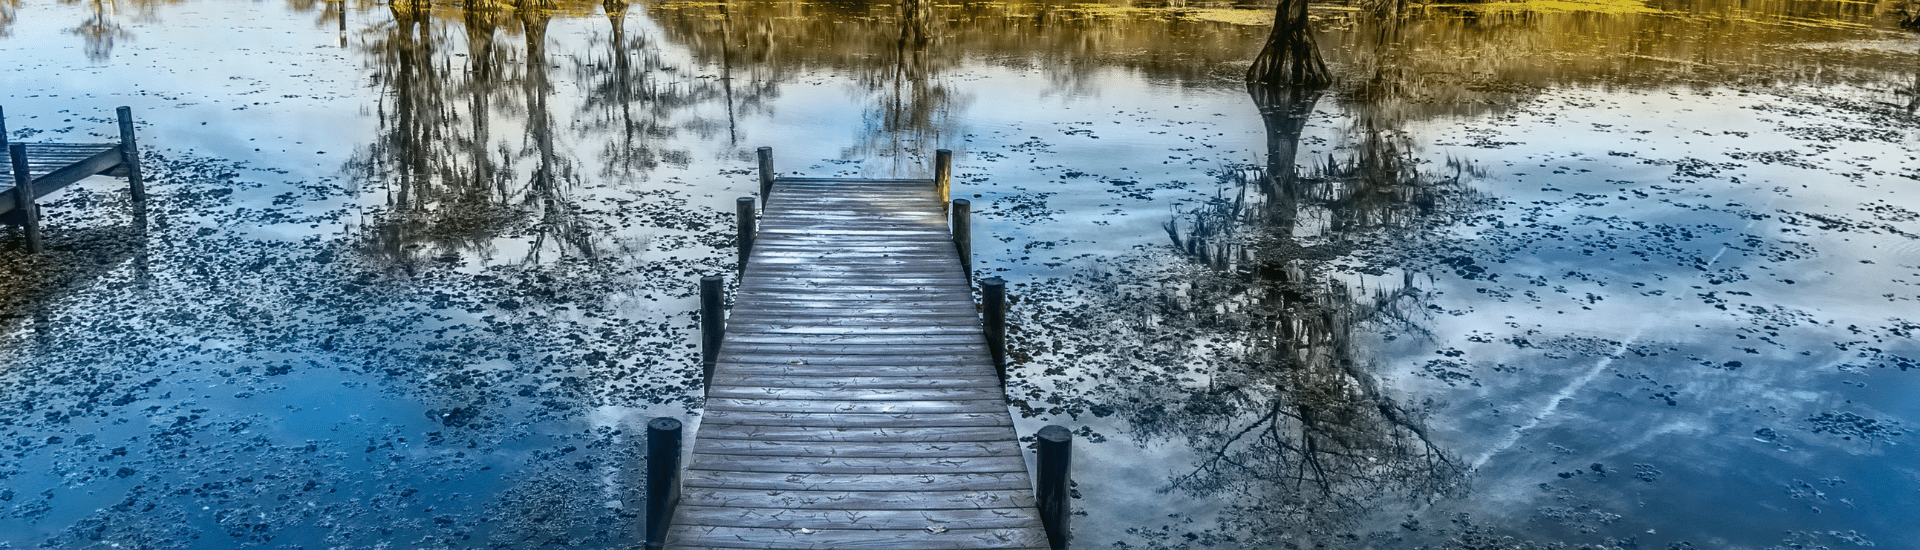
{"points": [[1541, 274]]}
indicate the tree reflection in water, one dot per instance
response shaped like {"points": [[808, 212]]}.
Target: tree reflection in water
{"points": [[98, 31], [451, 188], [909, 107], [1293, 416]]}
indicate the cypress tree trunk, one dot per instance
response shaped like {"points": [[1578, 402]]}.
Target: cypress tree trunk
{"points": [[1290, 57]]}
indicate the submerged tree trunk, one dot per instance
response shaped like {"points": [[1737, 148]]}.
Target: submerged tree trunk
{"points": [[1290, 57]]}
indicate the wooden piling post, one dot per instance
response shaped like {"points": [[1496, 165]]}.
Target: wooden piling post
{"points": [[960, 225], [130, 154], [3, 128], [766, 174], [23, 195], [712, 326], [1055, 479], [663, 477], [744, 229], [943, 174], [993, 299]]}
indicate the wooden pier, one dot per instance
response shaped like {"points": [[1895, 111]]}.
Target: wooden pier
{"points": [[854, 402], [39, 169]]}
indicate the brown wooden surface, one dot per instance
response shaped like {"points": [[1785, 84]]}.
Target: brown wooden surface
{"points": [[854, 404]]}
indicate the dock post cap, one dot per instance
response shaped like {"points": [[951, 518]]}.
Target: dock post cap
{"points": [[664, 423], [1055, 433]]}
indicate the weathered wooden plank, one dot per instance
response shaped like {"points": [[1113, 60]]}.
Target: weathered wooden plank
{"points": [[844, 500], [808, 287], [828, 192], [861, 197], [788, 369], [775, 276], [837, 379], [848, 219], [852, 349], [821, 434], [764, 547], [856, 394], [931, 297], [928, 251], [78, 170], [946, 264], [893, 449], [801, 180], [866, 262], [859, 269], [58, 145], [872, 328], [782, 481], [918, 202], [862, 339], [857, 315], [856, 212], [803, 237], [840, 381], [849, 317], [810, 282], [825, 247], [877, 205], [862, 216], [890, 234], [831, 220], [949, 362], [801, 300], [926, 297], [823, 375], [856, 539], [863, 465], [876, 407], [893, 203], [785, 418], [877, 272], [931, 263], [991, 518]]}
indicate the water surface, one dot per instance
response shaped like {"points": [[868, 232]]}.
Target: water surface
{"points": [[1606, 274]]}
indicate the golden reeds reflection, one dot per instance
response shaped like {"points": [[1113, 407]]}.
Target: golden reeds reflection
{"points": [[1434, 60]]}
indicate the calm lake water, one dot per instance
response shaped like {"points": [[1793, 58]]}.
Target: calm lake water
{"points": [[1548, 275]]}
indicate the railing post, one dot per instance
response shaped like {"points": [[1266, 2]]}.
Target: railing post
{"points": [[993, 301], [1055, 483], [766, 174], [961, 225], [744, 230], [712, 326], [23, 196], [943, 174], [130, 154], [663, 477]]}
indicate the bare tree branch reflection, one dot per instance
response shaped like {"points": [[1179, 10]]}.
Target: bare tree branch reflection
{"points": [[1298, 421], [1291, 424]]}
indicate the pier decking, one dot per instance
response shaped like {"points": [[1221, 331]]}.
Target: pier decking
{"points": [[854, 403], [39, 169]]}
